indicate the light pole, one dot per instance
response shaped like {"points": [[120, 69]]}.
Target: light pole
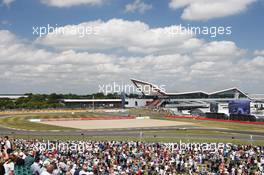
{"points": [[93, 102]]}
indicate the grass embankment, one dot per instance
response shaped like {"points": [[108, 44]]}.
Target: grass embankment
{"points": [[37, 111], [22, 121], [148, 140], [224, 125]]}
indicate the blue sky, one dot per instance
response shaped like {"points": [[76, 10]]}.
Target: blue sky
{"points": [[247, 27], [17, 17]]}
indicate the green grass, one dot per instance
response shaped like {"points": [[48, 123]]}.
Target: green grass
{"points": [[224, 125], [200, 123], [188, 132], [22, 121], [145, 139]]}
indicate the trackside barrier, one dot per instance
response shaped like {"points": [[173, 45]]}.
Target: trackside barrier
{"points": [[35, 120], [140, 118], [216, 120]]}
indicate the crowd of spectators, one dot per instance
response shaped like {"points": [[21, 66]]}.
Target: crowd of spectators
{"points": [[33, 157]]}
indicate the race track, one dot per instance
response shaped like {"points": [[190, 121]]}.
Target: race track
{"points": [[134, 132]]}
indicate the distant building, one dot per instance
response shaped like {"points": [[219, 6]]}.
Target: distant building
{"points": [[12, 96], [186, 102], [180, 102]]}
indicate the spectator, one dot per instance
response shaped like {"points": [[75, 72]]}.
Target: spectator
{"points": [[128, 158], [7, 144], [48, 171], [35, 167], [9, 165], [29, 160]]}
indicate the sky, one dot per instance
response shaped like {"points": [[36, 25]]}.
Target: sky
{"points": [[78, 46]]}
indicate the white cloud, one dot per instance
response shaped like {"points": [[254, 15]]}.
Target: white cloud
{"points": [[259, 52], [211, 66], [161, 52], [8, 2], [22, 63], [209, 9], [258, 61], [121, 35], [69, 3], [138, 6], [219, 50]]}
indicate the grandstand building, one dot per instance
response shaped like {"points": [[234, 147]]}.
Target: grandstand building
{"points": [[195, 101], [183, 102]]}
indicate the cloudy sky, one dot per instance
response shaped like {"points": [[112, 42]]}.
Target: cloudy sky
{"points": [[141, 39]]}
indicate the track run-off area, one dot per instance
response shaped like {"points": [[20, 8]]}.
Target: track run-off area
{"points": [[126, 125]]}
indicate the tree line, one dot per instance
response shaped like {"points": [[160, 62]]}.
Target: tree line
{"points": [[44, 101]]}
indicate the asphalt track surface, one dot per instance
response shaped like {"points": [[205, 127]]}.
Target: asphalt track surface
{"points": [[134, 132]]}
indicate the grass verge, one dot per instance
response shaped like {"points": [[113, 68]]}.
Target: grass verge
{"points": [[144, 139]]}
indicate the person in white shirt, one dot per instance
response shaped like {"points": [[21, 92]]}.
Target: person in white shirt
{"points": [[8, 144], [9, 166], [35, 168], [84, 170], [48, 171]]}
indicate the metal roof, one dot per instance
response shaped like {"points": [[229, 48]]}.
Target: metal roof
{"points": [[90, 100], [163, 93]]}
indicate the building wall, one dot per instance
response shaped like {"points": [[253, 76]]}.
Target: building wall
{"points": [[134, 102]]}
